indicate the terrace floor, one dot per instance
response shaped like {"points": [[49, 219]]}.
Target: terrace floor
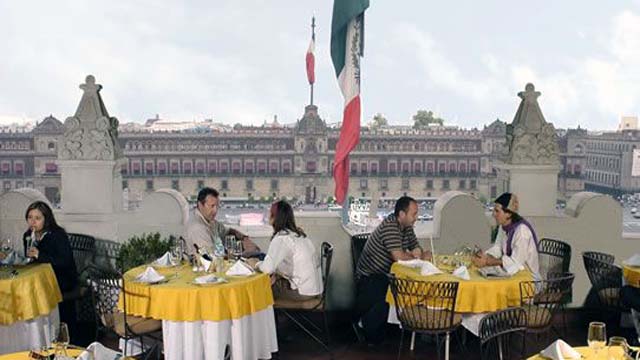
{"points": [[294, 344]]}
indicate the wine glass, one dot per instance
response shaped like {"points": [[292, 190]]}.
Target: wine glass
{"points": [[618, 348], [7, 245], [597, 336], [229, 240], [61, 340], [236, 249]]}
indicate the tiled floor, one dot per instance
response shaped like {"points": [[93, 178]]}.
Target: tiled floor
{"points": [[294, 344]]}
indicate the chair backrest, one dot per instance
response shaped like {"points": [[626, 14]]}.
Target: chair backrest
{"points": [[84, 250], [106, 285], [497, 331], [357, 245], [326, 254], [425, 306], [605, 277], [554, 256], [542, 298], [607, 258]]}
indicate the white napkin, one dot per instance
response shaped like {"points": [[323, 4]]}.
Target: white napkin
{"points": [[510, 266], [462, 272], [97, 351], [429, 269], [208, 279], [164, 260], [426, 267], [633, 261], [205, 263], [560, 350], [239, 269], [150, 275]]}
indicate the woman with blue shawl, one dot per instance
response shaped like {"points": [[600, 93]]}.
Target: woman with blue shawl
{"points": [[516, 244]]}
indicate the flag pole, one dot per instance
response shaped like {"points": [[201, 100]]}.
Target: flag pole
{"points": [[313, 37]]}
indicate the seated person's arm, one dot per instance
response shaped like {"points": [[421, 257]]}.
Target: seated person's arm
{"points": [[491, 257], [275, 254], [402, 255], [416, 250]]}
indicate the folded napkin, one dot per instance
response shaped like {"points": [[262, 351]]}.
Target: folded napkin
{"points": [[206, 264], [426, 267], [208, 279], [633, 261], [97, 351], [510, 266], [239, 269], [560, 350], [150, 275], [164, 260], [462, 272]]}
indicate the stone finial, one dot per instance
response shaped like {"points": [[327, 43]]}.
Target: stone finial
{"points": [[91, 134], [530, 139]]}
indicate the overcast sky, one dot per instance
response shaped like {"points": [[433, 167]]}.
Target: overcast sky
{"points": [[243, 61]]}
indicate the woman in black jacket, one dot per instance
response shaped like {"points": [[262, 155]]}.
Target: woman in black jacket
{"points": [[47, 242]]}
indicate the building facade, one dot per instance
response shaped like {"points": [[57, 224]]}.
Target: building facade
{"points": [[271, 161]]}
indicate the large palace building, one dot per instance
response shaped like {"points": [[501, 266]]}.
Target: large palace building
{"points": [[273, 160]]}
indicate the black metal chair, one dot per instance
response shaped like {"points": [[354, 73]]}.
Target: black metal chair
{"points": [[554, 257], [84, 250], [606, 281], [426, 307], [541, 300], [357, 245], [295, 310], [107, 286], [499, 330]]}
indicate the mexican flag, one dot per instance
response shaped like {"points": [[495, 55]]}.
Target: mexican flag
{"points": [[311, 61], [347, 43]]}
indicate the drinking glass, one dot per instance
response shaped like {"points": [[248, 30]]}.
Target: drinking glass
{"points": [[176, 255], [618, 348], [61, 340], [597, 336], [236, 249], [229, 242], [7, 245]]}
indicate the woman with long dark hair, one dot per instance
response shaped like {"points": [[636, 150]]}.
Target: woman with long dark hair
{"points": [[291, 257], [516, 242], [47, 242]]}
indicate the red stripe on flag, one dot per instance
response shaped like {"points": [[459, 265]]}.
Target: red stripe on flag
{"points": [[349, 138], [311, 63]]}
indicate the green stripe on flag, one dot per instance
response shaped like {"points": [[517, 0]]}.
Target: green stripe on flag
{"points": [[343, 12]]}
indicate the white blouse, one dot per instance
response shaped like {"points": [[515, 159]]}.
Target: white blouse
{"points": [[523, 249], [296, 259]]}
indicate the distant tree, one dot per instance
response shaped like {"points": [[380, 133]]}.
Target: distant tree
{"points": [[424, 118], [237, 126], [379, 120]]}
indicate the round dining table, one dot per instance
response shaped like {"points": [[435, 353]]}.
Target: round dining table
{"points": [[29, 297], [631, 275], [589, 354], [201, 321]]}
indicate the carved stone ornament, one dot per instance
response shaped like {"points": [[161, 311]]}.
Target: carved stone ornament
{"points": [[530, 139], [91, 134]]}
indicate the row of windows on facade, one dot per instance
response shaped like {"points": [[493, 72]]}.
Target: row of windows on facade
{"points": [[15, 145], [7, 168], [6, 185], [603, 162], [614, 145], [363, 146], [150, 168], [364, 184], [611, 179]]}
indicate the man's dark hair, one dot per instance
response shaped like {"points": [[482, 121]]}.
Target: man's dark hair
{"points": [[206, 191], [403, 204]]}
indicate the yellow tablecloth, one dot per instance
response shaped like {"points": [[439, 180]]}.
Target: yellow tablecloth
{"points": [[34, 292], [180, 300], [477, 295], [24, 355], [631, 274]]}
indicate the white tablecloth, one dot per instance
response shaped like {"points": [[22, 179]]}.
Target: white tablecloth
{"points": [[250, 337], [29, 334], [470, 321]]}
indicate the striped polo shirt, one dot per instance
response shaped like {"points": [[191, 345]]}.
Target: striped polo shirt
{"points": [[376, 255]]}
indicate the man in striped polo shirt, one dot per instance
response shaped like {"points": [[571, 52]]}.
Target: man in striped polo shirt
{"points": [[393, 240]]}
